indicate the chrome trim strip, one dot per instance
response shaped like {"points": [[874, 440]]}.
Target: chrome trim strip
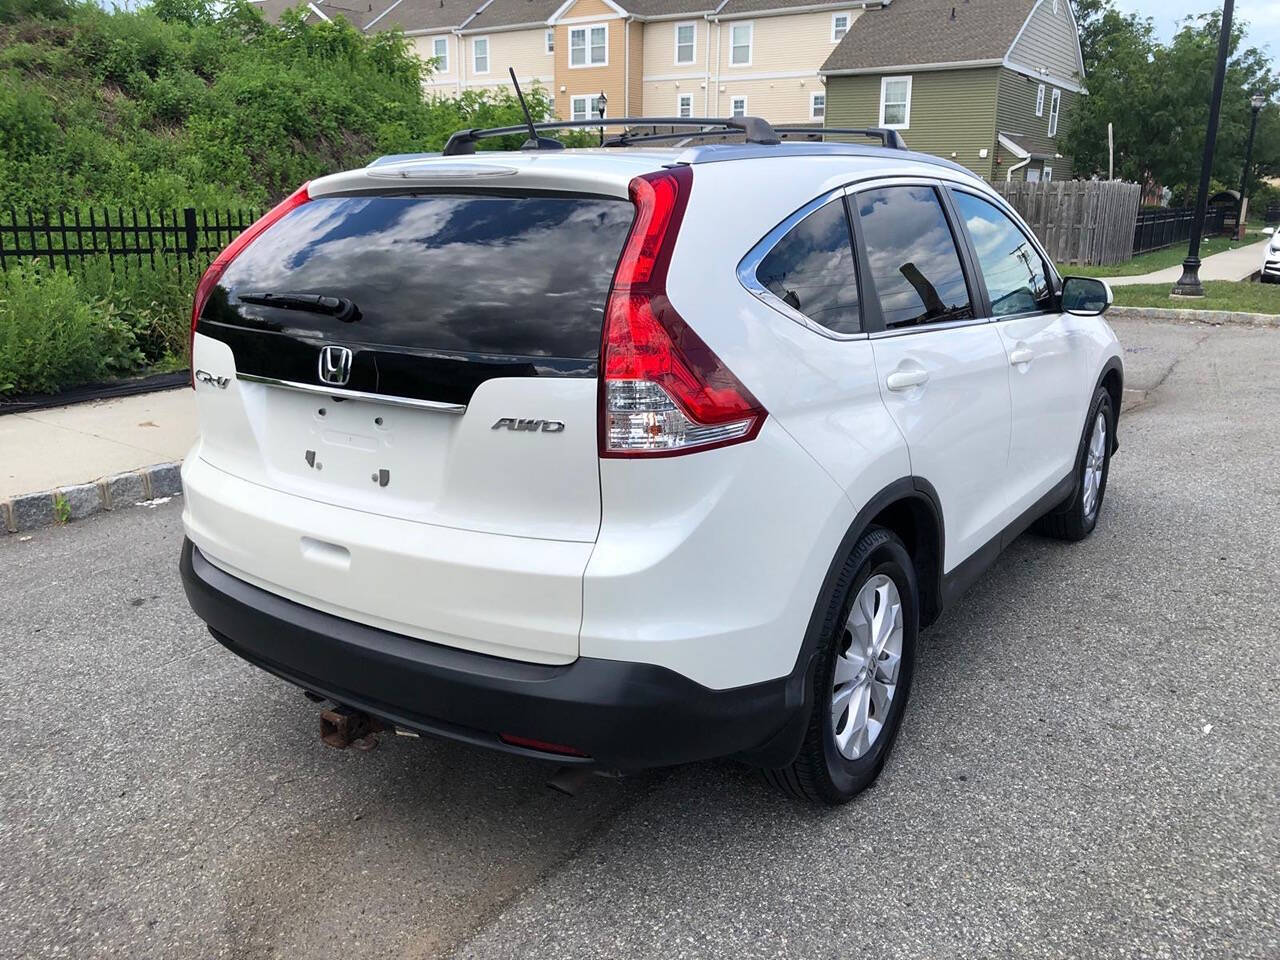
{"points": [[749, 264], [338, 393], [929, 328]]}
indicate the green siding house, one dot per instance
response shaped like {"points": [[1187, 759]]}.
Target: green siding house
{"points": [[988, 83]]}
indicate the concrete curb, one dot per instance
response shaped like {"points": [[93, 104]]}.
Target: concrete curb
{"points": [[1195, 316], [63, 504]]}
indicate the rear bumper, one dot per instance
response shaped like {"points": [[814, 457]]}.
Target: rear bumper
{"points": [[621, 715]]}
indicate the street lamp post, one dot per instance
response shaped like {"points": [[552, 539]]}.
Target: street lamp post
{"points": [[1188, 284], [602, 102], [1257, 102]]}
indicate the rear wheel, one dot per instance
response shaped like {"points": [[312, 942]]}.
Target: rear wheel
{"points": [[861, 674], [1076, 518]]}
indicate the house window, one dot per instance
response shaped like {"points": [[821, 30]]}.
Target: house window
{"points": [[1054, 103], [589, 46], [551, 41], [817, 106], [740, 44], [839, 26], [895, 102], [480, 55], [584, 107], [686, 42], [684, 105], [1040, 100], [1033, 175], [1048, 173], [440, 53], [737, 106]]}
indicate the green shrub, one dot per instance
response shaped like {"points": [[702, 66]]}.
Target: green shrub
{"points": [[53, 336]]}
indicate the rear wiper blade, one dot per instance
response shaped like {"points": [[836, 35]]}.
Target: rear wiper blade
{"points": [[340, 307]]}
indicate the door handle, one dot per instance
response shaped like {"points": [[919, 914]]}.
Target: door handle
{"points": [[906, 379], [1021, 355]]}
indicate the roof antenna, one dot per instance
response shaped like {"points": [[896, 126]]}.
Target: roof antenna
{"points": [[534, 142], [953, 13]]}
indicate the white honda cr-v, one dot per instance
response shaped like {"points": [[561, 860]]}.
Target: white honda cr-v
{"points": [[629, 456]]}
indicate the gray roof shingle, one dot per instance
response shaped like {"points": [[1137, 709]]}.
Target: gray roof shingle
{"points": [[739, 7], [510, 13], [411, 15], [668, 8], [908, 32]]}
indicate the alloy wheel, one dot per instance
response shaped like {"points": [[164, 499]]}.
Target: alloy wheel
{"points": [[1095, 460], [866, 672]]}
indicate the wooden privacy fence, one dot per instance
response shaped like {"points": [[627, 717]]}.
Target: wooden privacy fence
{"points": [[1079, 221], [122, 237]]}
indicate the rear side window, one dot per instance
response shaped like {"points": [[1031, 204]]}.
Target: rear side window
{"points": [[489, 275], [811, 270], [914, 262], [1016, 275]]}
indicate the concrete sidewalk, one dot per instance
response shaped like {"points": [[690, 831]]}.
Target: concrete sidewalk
{"points": [[1237, 264], [64, 446]]}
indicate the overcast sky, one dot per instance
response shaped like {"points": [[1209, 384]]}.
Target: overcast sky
{"points": [[1263, 17]]}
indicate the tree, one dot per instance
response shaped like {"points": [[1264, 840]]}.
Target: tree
{"points": [[1157, 98]]}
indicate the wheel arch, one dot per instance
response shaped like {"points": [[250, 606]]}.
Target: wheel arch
{"points": [[1112, 380]]}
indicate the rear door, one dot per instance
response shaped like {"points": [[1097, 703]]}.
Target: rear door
{"points": [[942, 370], [427, 356], [1046, 369]]}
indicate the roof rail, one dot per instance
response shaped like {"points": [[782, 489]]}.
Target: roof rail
{"points": [[756, 130], [887, 137]]}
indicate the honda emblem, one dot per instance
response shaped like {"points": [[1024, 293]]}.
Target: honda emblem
{"points": [[335, 365]]}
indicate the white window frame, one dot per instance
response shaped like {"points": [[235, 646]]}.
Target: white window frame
{"points": [[585, 31], [750, 26], [848, 22], [732, 109], [693, 44], [1046, 175], [814, 96], [906, 119], [549, 41], [1040, 100], [1055, 106], [588, 112], [488, 55], [681, 97], [442, 60]]}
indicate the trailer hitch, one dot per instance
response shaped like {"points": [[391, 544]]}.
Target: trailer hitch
{"points": [[343, 727]]}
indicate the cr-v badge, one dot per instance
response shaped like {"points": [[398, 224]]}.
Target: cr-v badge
{"points": [[204, 376], [513, 423]]}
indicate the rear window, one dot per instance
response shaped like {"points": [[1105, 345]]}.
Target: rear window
{"points": [[496, 275]]}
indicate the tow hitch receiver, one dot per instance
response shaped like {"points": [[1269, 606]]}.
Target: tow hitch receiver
{"points": [[343, 727]]}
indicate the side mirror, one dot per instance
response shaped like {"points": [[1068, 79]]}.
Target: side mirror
{"points": [[1086, 296], [1268, 231]]}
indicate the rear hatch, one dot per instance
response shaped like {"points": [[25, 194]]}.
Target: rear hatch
{"points": [[426, 353]]}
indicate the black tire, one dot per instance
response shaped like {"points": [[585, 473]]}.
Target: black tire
{"points": [[820, 773], [1070, 520]]}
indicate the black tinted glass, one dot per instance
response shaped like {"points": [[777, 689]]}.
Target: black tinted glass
{"points": [[498, 275], [913, 257], [1016, 276], [811, 269]]}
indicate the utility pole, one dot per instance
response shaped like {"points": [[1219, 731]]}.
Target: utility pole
{"points": [[1111, 152], [1188, 284]]}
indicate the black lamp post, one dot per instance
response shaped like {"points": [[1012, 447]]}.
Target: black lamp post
{"points": [[602, 102], [1188, 284], [1257, 102]]}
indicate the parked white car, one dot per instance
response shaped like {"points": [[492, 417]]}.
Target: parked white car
{"points": [[628, 457], [1271, 258]]}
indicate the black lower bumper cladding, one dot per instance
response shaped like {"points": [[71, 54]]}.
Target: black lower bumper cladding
{"points": [[620, 715]]}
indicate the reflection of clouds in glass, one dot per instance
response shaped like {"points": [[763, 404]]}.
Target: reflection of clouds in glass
{"points": [[516, 276], [905, 227], [1013, 270], [811, 269]]}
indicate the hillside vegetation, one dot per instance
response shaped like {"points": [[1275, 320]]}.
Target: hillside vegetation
{"points": [[182, 103], [188, 104]]}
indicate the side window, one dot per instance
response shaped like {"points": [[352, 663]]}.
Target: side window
{"points": [[914, 262], [1017, 278], [811, 270]]}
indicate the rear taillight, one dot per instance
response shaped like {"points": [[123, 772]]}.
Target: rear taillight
{"points": [[211, 276], [663, 392]]}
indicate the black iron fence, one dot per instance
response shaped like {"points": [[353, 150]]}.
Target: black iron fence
{"points": [[123, 237], [1160, 227]]}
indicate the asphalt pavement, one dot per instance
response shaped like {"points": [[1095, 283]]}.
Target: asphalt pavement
{"points": [[1089, 765]]}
